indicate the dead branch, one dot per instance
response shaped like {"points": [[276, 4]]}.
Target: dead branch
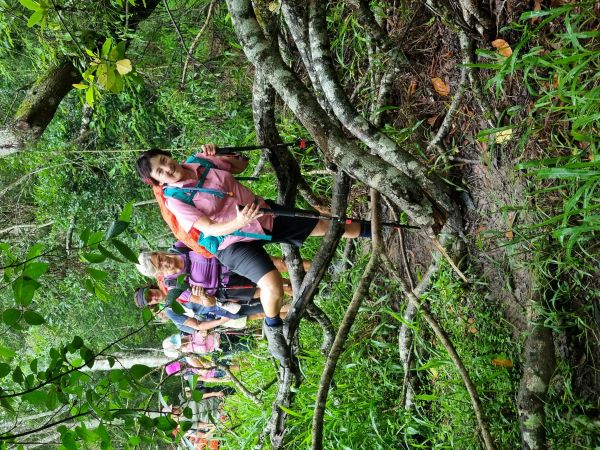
{"points": [[243, 389], [190, 54], [25, 226], [342, 335], [447, 343]]}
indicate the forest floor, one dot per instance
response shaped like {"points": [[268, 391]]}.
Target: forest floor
{"points": [[516, 269]]}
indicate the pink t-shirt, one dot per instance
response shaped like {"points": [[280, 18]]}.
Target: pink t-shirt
{"points": [[202, 345], [215, 208]]}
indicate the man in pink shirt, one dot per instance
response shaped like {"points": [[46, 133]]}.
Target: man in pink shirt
{"points": [[207, 199]]}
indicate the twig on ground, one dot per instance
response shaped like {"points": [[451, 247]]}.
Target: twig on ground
{"points": [[190, 52]]}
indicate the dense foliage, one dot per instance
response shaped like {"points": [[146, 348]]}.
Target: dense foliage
{"points": [[74, 217]]}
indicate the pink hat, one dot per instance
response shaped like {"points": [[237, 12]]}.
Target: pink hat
{"points": [[173, 368]]}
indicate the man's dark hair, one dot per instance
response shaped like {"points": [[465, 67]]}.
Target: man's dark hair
{"points": [[142, 165]]}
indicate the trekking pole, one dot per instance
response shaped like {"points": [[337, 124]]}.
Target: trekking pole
{"points": [[316, 215], [301, 143]]}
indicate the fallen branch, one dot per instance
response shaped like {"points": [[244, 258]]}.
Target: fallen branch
{"points": [[243, 389], [361, 291], [447, 343]]}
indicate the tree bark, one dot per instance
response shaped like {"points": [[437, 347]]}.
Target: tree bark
{"points": [[539, 363], [128, 360], [38, 108], [369, 169]]}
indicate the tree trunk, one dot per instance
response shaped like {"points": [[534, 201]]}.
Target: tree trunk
{"points": [[346, 154], [38, 108], [128, 360]]}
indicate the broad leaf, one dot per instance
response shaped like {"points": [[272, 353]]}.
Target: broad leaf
{"points": [[33, 318], [94, 257], [127, 212], [11, 316], [124, 250], [96, 274], [6, 353], [116, 228], [30, 4], [23, 290], [4, 370], [35, 270], [137, 371], [124, 66]]}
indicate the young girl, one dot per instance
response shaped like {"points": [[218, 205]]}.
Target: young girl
{"points": [[211, 207]]}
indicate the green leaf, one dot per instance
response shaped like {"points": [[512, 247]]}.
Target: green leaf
{"points": [[427, 397], [188, 413], [127, 212], [289, 411], [124, 250], [108, 254], [30, 4], [89, 96], [34, 251], [106, 47], [116, 228], [94, 257], [80, 86], [35, 270], [196, 395], [76, 343], [177, 308], [17, 375], [4, 370], [6, 353], [120, 48], [37, 397], [102, 293], [96, 274], [137, 371], [11, 316], [147, 314], [23, 290], [33, 318], [95, 238]]}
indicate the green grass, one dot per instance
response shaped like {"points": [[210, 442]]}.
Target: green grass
{"points": [[362, 409]]}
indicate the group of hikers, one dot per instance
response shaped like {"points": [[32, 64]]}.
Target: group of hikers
{"points": [[219, 272]]}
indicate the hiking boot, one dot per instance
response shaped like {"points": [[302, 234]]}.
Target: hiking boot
{"points": [[276, 344]]}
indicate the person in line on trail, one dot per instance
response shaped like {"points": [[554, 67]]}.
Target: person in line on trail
{"points": [[191, 366], [222, 347], [193, 319], [203, 196], [197, 270]]}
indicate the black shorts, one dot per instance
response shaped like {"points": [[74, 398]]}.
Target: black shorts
{"points": [[250, 259], [290, 230], [237, 288]]}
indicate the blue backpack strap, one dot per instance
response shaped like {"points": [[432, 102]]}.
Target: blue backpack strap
{"points": [[204, 163], [212, 243]]}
